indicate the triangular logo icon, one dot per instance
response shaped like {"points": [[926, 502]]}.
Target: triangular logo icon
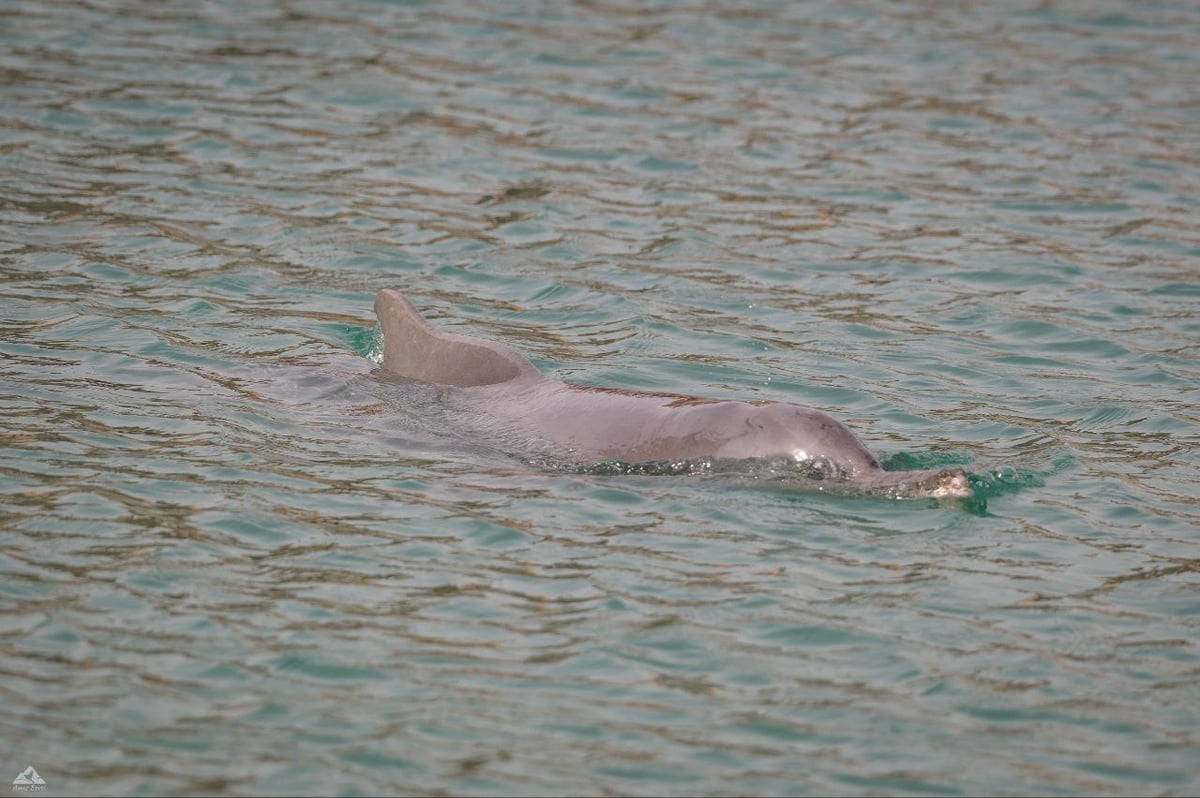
{"points": [[29, 776]]}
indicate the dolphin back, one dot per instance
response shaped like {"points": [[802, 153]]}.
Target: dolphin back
{"points": [[416, 350]]}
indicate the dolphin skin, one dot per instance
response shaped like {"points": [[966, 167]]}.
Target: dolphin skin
{"points": [[497, 394]]}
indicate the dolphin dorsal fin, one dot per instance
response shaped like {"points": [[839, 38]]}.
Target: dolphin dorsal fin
{"points": [[416, 350]]}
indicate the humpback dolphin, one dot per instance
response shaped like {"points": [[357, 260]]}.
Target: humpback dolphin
{"points": [[499, 395]]}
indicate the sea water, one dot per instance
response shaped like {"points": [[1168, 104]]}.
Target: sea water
{"points": [[234, 562]]}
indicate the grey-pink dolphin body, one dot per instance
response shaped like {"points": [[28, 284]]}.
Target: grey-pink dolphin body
{"points": [[512, 402]]}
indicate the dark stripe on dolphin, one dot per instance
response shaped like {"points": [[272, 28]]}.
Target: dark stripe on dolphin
{"points": [[502, 395]]}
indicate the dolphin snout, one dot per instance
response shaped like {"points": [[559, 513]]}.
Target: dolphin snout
{"points": [[952, 485]]}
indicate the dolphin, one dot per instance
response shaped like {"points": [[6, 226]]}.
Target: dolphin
{"points": [[498, 395]]}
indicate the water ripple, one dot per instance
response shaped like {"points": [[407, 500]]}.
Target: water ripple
{"points": [[237, 562]]}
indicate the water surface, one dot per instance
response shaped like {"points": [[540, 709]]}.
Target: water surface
{"points": [[235, 563]]}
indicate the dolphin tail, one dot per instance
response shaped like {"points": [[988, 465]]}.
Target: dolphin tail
{"points": [[415, 350]]}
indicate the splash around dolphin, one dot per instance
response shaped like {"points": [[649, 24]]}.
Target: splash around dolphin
{"points": [[495, 393]]}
